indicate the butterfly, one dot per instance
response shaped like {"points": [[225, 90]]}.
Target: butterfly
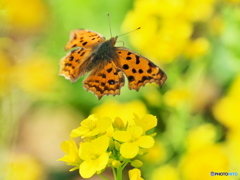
{"points": [[106, 64]]}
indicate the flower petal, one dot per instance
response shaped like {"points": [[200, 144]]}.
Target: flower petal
{"points": [[145, 142], [122, 136], [129, 150], [87, 169], [135, 174], [101, 162]]}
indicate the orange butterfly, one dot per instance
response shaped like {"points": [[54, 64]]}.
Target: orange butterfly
{"points": [[106, 64]]}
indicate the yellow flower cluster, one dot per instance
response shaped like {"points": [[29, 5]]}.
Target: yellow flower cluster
{"points": [[170, 28], [226, 110], [24, 15], [19, 65], [33, 75], [107, 142]]}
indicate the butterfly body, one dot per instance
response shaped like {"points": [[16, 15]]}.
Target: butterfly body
{"points": [[107, 64], [103, 53]]}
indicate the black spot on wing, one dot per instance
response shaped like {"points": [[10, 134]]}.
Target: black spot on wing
{"points": [[140, 71], [137, 59], [111, 82], [134, 70], [149, 71], [75, 45], [84, 43], [109, 70], [70, 58], [102, 75], [131, 78], [125, 66], [82, 53]]}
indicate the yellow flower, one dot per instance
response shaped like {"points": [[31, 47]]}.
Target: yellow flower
{"points": [[157, 154], [177, 97], [35, 75], [160, 20], [166, 172], [118, 124], [94, 156], [197, 165], [71, 158], [197, 47], [195, 10], [24, 166], [102, 147], [24, 15], [226, 110], [147, 122], [92, 126], [233, 146], [201, 137], [132, 139], [135, 174]]}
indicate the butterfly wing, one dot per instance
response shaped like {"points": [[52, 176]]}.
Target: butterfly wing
{"points": [[105, 80], [138, 69], [84, 38], [74, 64]]}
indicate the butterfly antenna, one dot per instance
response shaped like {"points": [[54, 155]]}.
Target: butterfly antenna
{"points": [[109, 24], [130, 31]]}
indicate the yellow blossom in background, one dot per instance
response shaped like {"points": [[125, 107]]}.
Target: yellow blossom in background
{"points": [[201, 137], [24, 166], [157, 154], [35, 75], [226, 110], [154, 98], [198, 164], [198, 10], [177, 97], [135, 174], [166, 172], [24, 15], [168, 27], [232, 149], [197, 47]]}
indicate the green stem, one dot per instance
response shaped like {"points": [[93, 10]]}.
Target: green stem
{"points": [[125, 163], [114, 173], [119, 173]]}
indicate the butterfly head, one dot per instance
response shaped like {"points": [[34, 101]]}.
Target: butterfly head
{"points": [[113, 40]]}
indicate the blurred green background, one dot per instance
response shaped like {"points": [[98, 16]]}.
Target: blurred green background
{"points": [[195, 42]]}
